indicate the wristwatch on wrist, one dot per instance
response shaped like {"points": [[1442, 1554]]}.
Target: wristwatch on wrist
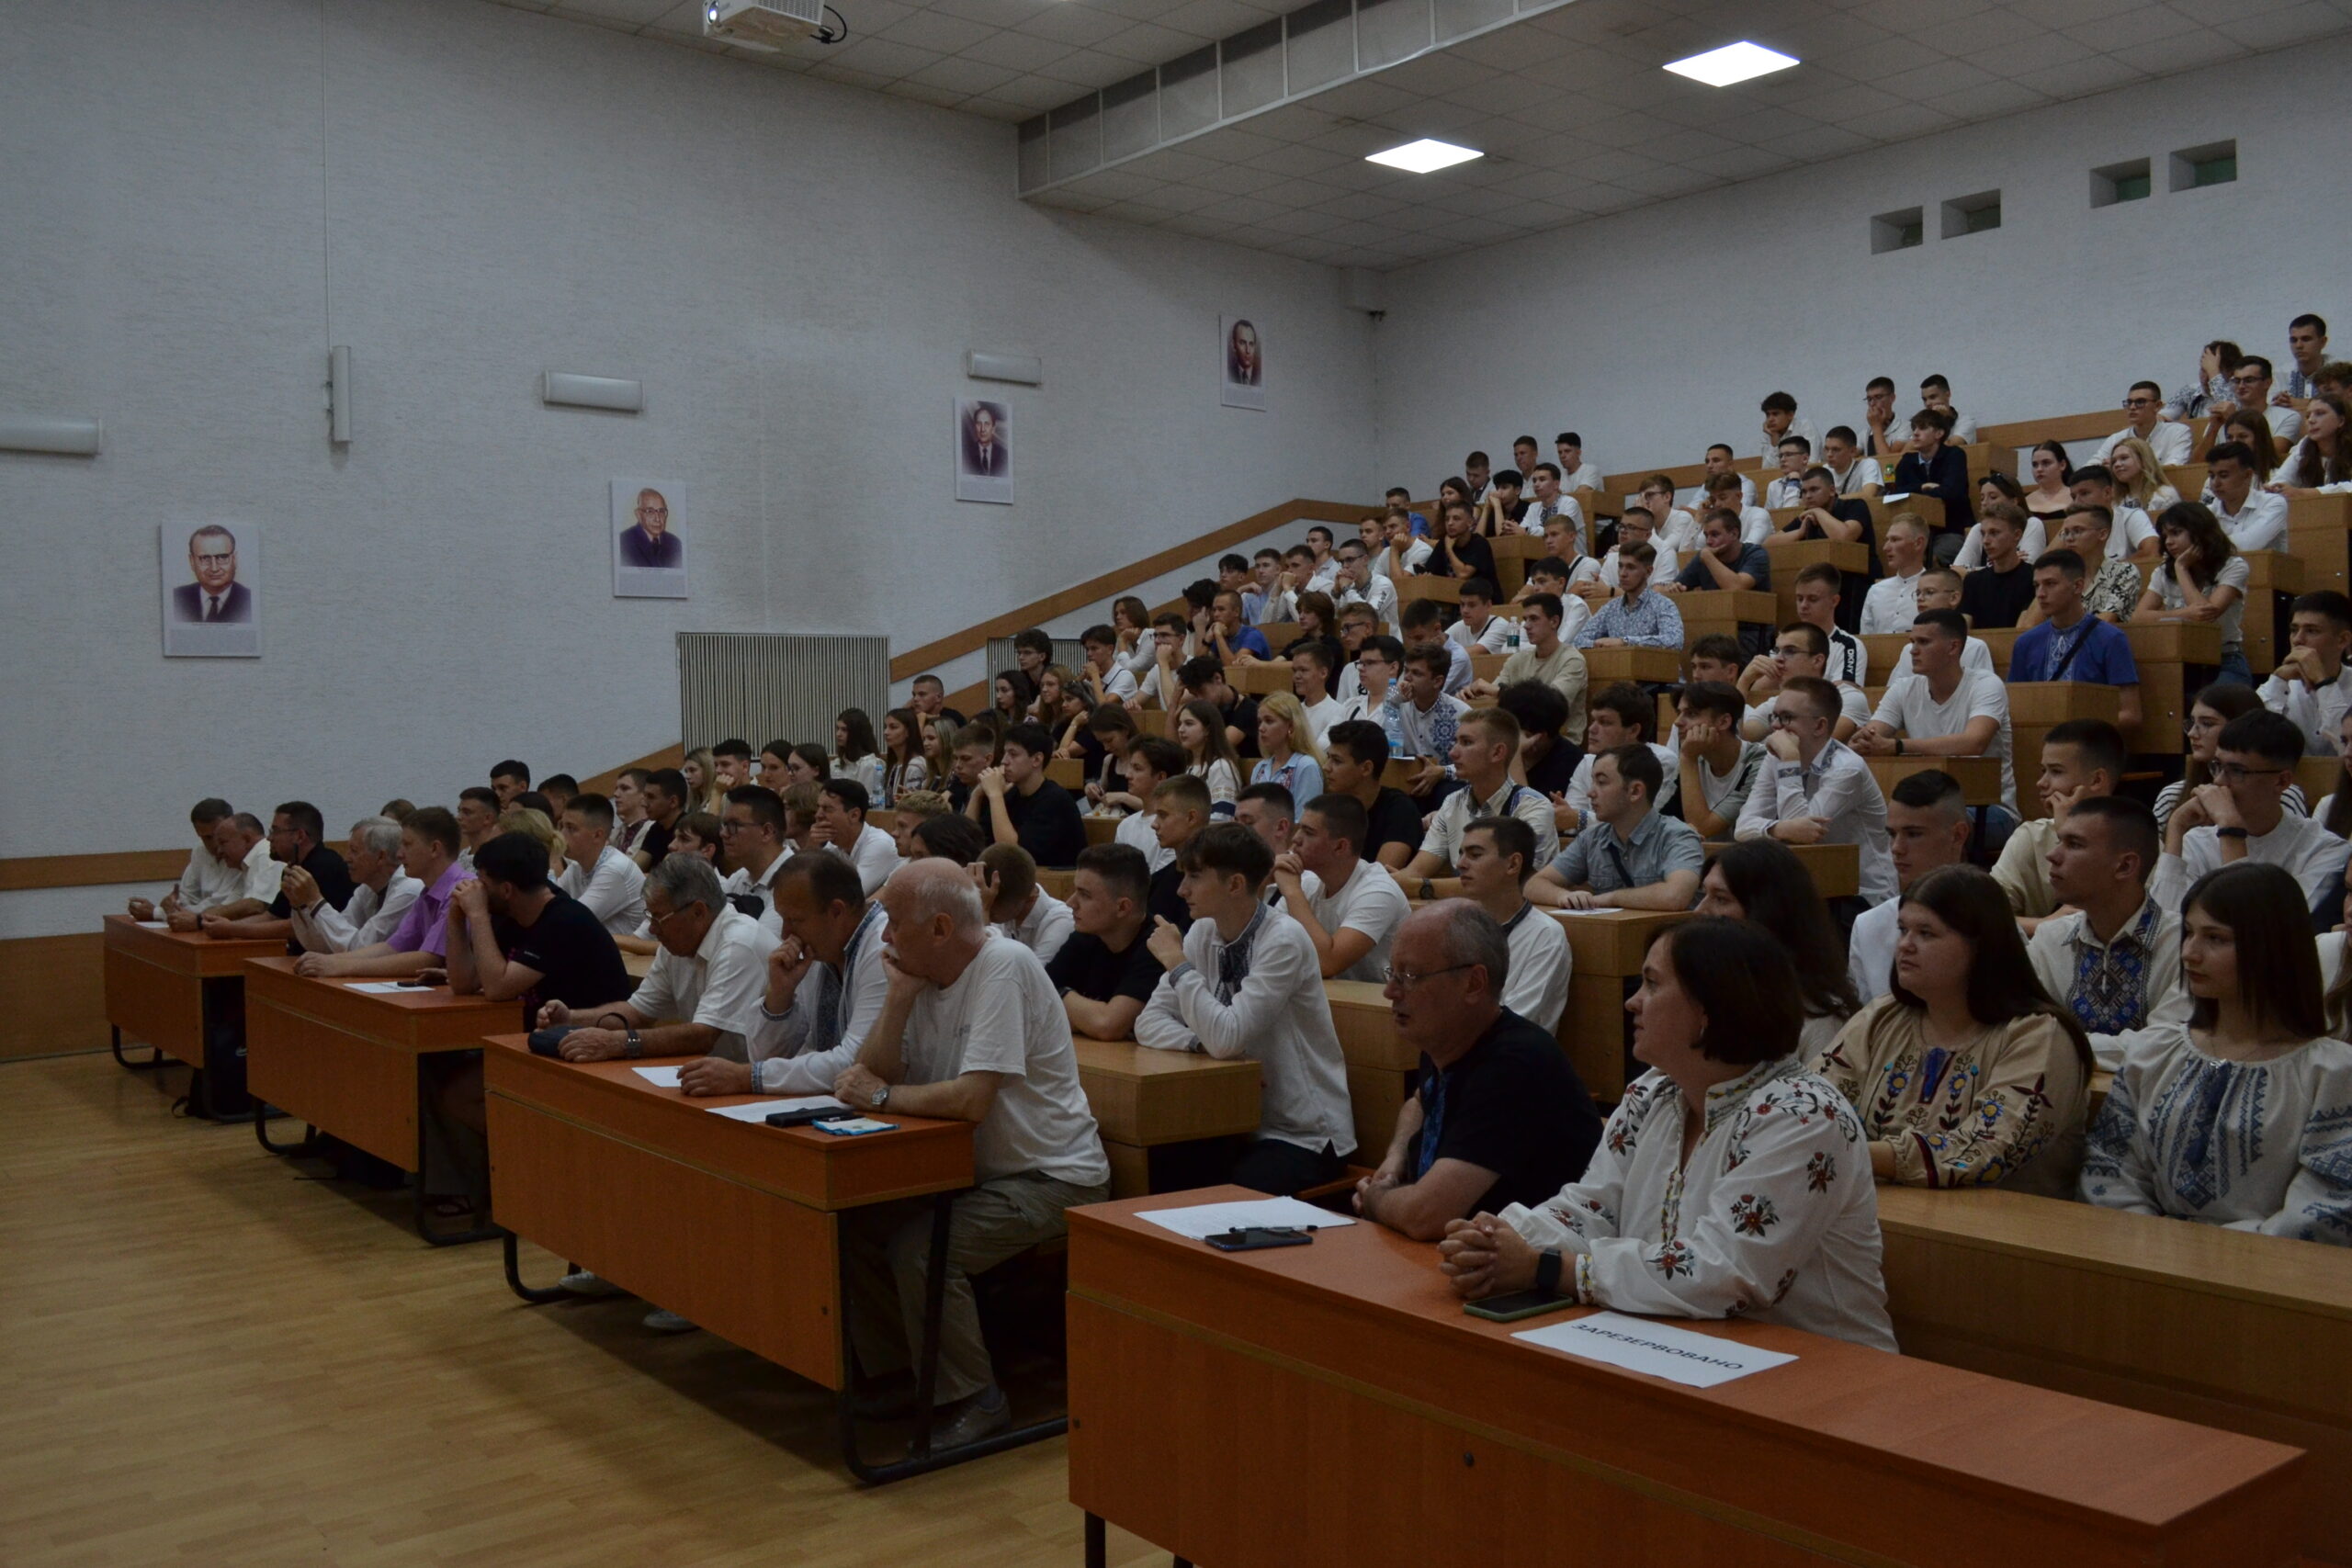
{"points": [[633, 1045], [879, 1098], [1548, 1273], [2230, 833]]}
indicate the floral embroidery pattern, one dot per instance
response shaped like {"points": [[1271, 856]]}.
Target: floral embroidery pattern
{"points": [[1820, 1171], [1673, 1259], [1752, 1214]]}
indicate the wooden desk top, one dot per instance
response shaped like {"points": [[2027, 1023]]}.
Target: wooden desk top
{"points": [[1928, 508], [1257, 678], [185, 953], [1147, 1098], [2319, 777], [1845, 555], [819, 1170], [1367, 1033], [1445, 590], [422, 1017], [1980, 777], [1859, 1447], [1718, 609], [2055, 702], [1836, 869], [1604, 665]]}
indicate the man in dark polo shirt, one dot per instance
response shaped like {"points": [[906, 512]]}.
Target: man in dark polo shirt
{"points": [[297, 842], [1017, 804], [1499, 1111], [1105, 971]]}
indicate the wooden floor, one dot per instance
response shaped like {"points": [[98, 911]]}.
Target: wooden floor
{"points": [[210, 1360]]}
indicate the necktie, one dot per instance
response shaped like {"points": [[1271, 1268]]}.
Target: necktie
{"points": [[212, 606]]}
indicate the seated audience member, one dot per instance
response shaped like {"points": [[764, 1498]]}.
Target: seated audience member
{"points": [[528, 815], [297, 848], [507, 780], [1180, 809], [1730, 1180], [2081, 760], [1407, 547], [1268, 810], [1761, 881], [971, 1030], [1814, 790], [1500, 1117], [429, 854], [1461, 553], [2112, 587], [380, 898], [1151, 761], [1928, 826], [953, 837], [2069, 643], [1819, 602], [1827, 515], [1105, 971], [824, 986], [929, 695], [2251, 395], [663, 793], [1966, 1074], [1801, 651], [1933, 468], [1781, 424], [607, 883], [2201, 579], [512, 934], [2144, 420], [702, 835], [1373, 676], [1716, 656], [1935, 392], [1548, 501], [755, 827], [1683, 527], [2311, 686], [1200, 731], [904, 766], [1716, 768], [1359, 584], [2253, 518], [2210, 712], [1244, 982], [1942, 708], [1203, 681], [1543, 656], [2242, 816], [1358, 625], [1995, 593], [248, 879], [1878, 418], [2235, 1117], [841, 822], [1288, 754], [1735, 493], [1622, 714], [914, 808], [1348, 906], [1107, 680], [1637, 617], [478, 812], [1478, 630], [1099, 739], [1631, 856], [2321, 464], [2131, 532], [2112, 958], [1500, 508], [1547, 759], [730, 766], [1015, 803], [974, 753], [1485, 746], [1496, 860], [1794, 454], [1018, 906], [1419, 717], [1575, 472], [1310, 681], [630, 823], [1355, 757], [1635, 527], [1999, 489], [1856, 477], [1893, 601], [206, 883], [1723, 560], [1423, 622]]}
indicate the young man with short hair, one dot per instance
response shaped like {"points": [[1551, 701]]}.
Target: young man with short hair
{"points": [[1107, 680], [2143, 410], [1017, 804], [1820, 602], [1379, 665], [1204, 678], [478, 812], [2253, 518], [664, 792], [1575, 473], [2113, 592], [1018, 906], [1548, 503], [1478, 630], [1634, 526], [1494, 861], [1940, 589], [507, 780], [2311, 686], [1622, 714], [2082, 760], [1349, 908], [1269, 810], [1725, 562], [2307, 351], [205, 883], [1676, 528], [1547, 758], [1935, 392], [1544, 657], [1893, 601], [972, 754], [1637, 617], [1245, 982], [1942, 708], [1856, 475], [1928, 828], [607, 883], [1781, 424], [2132, 534], [841, 804], [1798, 649], [297, 851], [1794, 455], [1723, 492], [1151, 761], [1995, 593], [2241, 816], [1717, 768], [1419, 717], [1816, 790], [1228, 638], [2250, 389], [1460, 553], [1180, 809], [1357, 583], [2069, 643], [1310, 683], [1105, 971], [1355, 755], [1933, 468], [1716, 656], [1485, 745], [2112, 959], [1633, 856]]}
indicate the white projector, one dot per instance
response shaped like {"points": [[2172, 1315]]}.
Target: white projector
{"points": [[763, 23]]}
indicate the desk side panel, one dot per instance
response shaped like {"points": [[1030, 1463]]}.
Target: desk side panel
{"points": [[360, 1090], [148, 1002]]}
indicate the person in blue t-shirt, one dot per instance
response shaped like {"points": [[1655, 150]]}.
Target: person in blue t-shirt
{"points": [[2071, 644], [1229, 638]]}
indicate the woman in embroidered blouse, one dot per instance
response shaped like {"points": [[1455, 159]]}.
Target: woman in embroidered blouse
{"points": [[904, 766], [1731, 1179], [1762, 881], [2243, 1119], [1288, 755], [1966, 1074]]}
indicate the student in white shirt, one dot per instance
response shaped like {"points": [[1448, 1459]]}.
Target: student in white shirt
{"points": [[2312, 684], [1152, 760], [381, 892], [825, 984], [1635, 529], [1817, 791], [1494, 861], [1674, 529], [1348, 906], [1245, 982], [1820, 588], [703, 992], [841, 822], [605, 882], [1935, 392], [1107, 680], [2203, 578], [1479, 629], [1858, 478], [2143, 408], [1720, 460], [2250, 389], [2252, 517], [1485, 745], [202, 885], [1357, 583], [2131, 534], [1717, 767], [1018, 904], [1798, 648], [1549, 502], [1407, 551], [1938, 589], [1781, 423], [1310, 683], [971, 1030], [1892, 603], [1575, 472], [1928, 828], [1421, 622], [1722, 492], [1620, 714], [2242, 816], [1794, 455], [2112, 957], [1942, 709]]}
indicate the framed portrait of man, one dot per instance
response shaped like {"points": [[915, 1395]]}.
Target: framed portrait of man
{"points": [[649, 548], [212, 590], [983, 451], [1243, 354]]}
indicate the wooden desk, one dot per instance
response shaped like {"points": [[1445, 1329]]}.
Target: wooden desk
{"points": [[1885, 650], [1380, 1066], [2036, 707], [1512, 554], [732, 1224], [1071, 771], [2319, 776], [346, 1062], [1605, 953], [1332, 1404], [164, 987], [1928, 508], [1849, 557], [1723, 611], [2250, 1333], [1836, 869], [1259, 677], [2174, 661], [1101, 829], [1647, 666], [1980, 777], [2273, 579], [2067, 428], [2316, 534], [1146, 1100], [1445, 590]]}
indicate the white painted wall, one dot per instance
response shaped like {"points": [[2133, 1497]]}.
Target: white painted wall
{"points": [[199, 200], [1656, 331]]}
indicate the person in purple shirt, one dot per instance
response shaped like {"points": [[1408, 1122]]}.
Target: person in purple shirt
{"points": [[429, 853]]}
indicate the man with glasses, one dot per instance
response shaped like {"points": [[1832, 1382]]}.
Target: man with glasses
{"points": [[2143, 410], [1498, 1111], [752, 828], [216, 594], [1814, 790], [1802, 649], [2241, 816], [2250, 389], [648, 543]]}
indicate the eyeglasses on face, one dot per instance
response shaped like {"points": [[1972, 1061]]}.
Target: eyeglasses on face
{"points": [[1405, 979]]}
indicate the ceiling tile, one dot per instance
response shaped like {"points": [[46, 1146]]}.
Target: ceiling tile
{"points": [[1015, 52], [937, 30]]}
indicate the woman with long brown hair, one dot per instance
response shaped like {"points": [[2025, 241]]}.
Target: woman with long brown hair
{"points": [[2201, 578], [2210, 713]]}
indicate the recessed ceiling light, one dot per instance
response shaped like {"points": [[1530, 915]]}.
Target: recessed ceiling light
{"points": [[1733, 63], [1425, 156]]}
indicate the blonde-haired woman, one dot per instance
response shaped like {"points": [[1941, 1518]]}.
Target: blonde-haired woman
{"points": [[2139, 476], [703, 793], [1288, 754]]}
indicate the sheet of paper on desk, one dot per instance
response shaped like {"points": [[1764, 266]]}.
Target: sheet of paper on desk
{"points": [[1636, 1344], [1568, 911], [381, 988], [660, 1078], [761, 1110], [153, 925], [1204, 1220]]}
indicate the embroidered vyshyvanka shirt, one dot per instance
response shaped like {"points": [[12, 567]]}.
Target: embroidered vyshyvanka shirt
{"points": [[1773, 1217]]}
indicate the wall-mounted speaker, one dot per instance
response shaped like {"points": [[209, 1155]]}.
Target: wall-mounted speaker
{"points": [[32, 433], [1021, 370], [557, 387]]}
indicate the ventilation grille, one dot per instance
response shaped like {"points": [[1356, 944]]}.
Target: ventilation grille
{"points": [[762, 686]]}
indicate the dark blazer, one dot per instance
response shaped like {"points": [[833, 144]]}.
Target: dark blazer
{"points": [[998, 460], [641, 548], [237, 604]]}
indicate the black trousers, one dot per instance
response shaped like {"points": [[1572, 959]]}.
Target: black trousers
{"points": [[1283, 1170]]}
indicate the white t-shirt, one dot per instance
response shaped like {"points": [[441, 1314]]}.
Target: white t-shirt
{"points": [[876, 855], [1491, 638], [1369, 901], [2169, 441], [1537, 988], [1870, 951], [1135, 829], [1003, 1016], [1975, 656], [1911, 708], [1892, 604], [1044, 928], [720, 987], [614, 891], [1679, 532], [2235, 572]]}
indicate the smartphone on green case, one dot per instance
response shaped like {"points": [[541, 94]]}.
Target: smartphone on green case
{"points": [[1517, 1306]]}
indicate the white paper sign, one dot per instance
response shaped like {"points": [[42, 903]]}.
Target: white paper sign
{"points": [[660, 1078], [1677, 1355], [1203, 1220], [761, 1110], [381, 988]]}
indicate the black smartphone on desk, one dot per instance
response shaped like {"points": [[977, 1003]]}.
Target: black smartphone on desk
{"points": [[1517, 1306], [808, 1114], [1255, 1239]]}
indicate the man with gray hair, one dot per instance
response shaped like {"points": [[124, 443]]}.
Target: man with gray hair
{"points": [[971, 1030], [249, 876], [381, 897], [1499, 1111]]}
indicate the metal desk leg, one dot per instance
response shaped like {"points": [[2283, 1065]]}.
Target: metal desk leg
{"points": [[514, 1277], [262, 1113], [1097, 1546], [155, 1057]]}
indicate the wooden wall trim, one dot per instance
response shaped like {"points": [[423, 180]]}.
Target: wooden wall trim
{"points": [[668, 757], [27, 872], [1108, 584]]}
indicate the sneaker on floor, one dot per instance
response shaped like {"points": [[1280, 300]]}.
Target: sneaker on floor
{"points": [[661, 1320], [973, 1420], [584, 1282]]}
